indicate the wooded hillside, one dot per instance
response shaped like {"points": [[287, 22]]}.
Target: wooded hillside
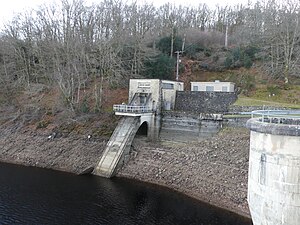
{"points": [[81, 49]]}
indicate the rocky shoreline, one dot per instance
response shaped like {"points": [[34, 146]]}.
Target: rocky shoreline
{"points": [[214, 170], [74, 154]]}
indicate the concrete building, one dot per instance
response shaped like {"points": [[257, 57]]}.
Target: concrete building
{"points": [[274, 168], [145, 101], [169, 89], [215, 86], [154, 92]]}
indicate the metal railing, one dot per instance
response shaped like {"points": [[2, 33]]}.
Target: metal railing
{"points": [[131, 108], [276, 116]]}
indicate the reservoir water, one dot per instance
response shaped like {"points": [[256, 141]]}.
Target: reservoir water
{"points": [[38, 196]]}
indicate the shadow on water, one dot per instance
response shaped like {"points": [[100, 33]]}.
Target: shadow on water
{"points": [[38, 196]]}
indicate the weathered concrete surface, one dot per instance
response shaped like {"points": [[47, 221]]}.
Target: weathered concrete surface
{"points": [[118, 145], [186, 127], [274, 168], [214, 170], [282, 127]]}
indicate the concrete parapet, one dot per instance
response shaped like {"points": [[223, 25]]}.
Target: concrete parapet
{"points": [[286, 127]]}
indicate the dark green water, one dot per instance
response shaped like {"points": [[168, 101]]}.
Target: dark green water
{"points": [[38, 196]]}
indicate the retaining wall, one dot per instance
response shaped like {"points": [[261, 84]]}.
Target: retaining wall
{"points": [[204, 102], [186, 127]]}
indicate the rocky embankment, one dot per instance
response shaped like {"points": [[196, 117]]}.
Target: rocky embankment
{"points": [[24, 140], [214, 170], [72, 154]]}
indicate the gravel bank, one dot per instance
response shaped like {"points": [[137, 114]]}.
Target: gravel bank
{"points": [[73, 154], [214, 170]]}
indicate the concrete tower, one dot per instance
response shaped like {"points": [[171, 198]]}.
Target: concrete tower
{"points": [[274, 168]]}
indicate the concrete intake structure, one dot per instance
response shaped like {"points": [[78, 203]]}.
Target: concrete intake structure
{"points": [[148, 102], [274, 169], [145, 101]]}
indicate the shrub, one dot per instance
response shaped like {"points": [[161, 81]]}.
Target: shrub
{"points": [[42, 124], [207, 52], [191, 50], [251, 51], [161, 66], [247, 61], [241, 56], [273, 90], [216, 58], [164, 44], [84, 106], [228, 62], [236, 54], [244, 82]]}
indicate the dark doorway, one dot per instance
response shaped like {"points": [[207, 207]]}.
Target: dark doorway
{"points": [[143, 130]]}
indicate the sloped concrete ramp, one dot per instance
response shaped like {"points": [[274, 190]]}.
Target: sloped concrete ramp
{"points": [[118, 146]]}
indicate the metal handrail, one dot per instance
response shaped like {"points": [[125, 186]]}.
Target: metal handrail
{"points": [[131, 108], [276, 114]]}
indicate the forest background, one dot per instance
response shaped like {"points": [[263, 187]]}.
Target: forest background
{"points": [[78, 59]]}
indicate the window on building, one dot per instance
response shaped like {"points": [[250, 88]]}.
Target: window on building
{"points": [[142, 100], [167, 86], [209, 88], [195, 88], [224, 88]]}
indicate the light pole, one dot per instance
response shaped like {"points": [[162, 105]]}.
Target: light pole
{"points": [[177, 64]]}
